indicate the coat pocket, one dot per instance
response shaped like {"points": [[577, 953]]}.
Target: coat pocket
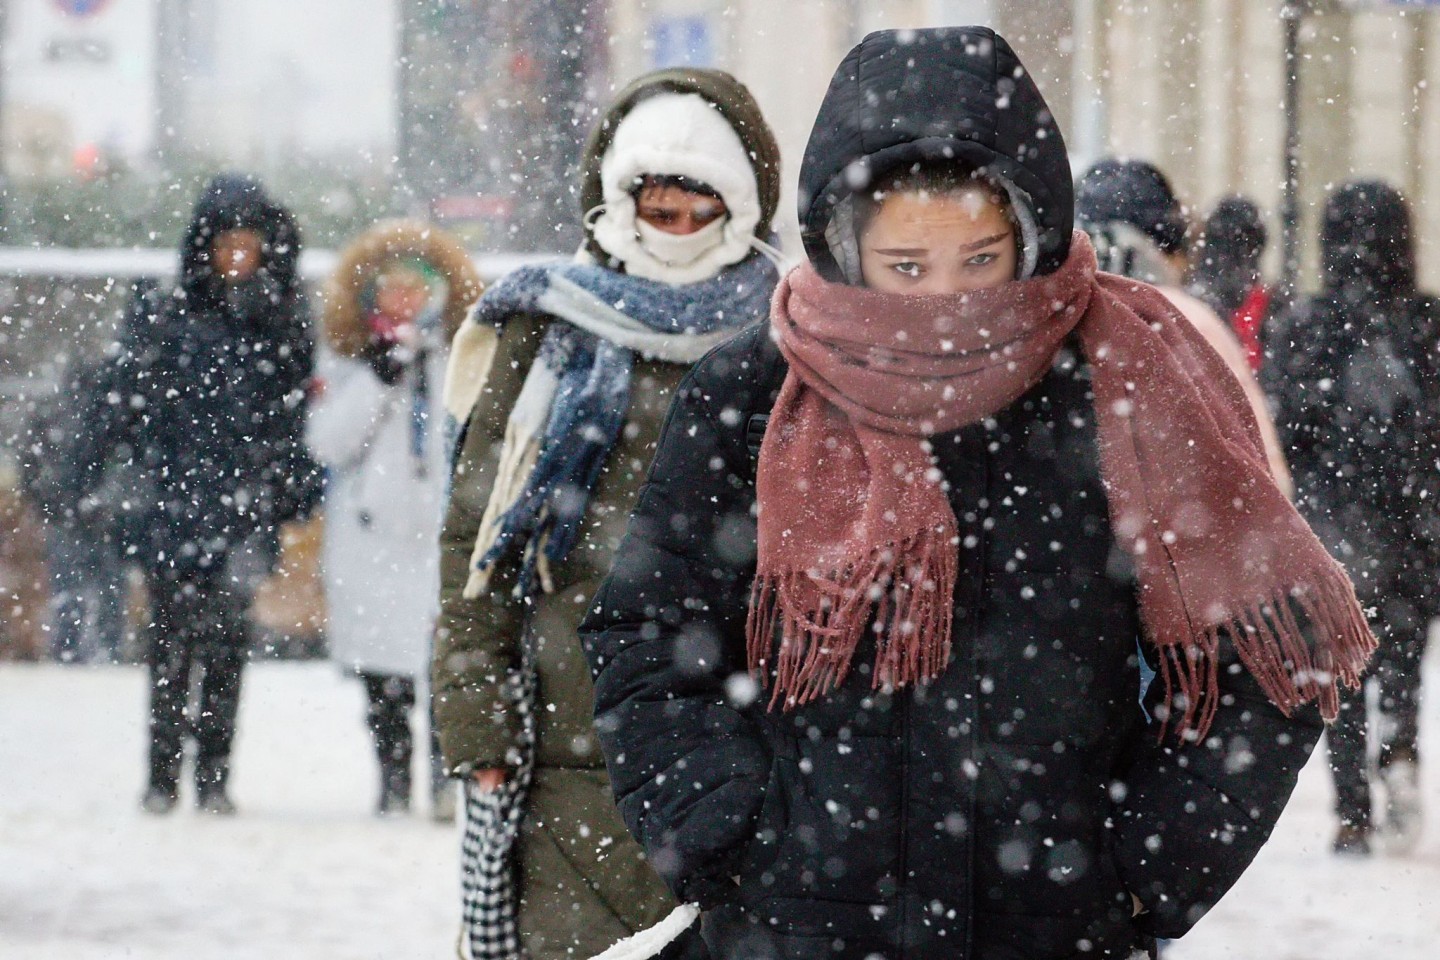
{"points": [[770, 829], [835, 810]]}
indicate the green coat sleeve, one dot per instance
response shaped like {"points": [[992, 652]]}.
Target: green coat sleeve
{"points": [[477, 642]]}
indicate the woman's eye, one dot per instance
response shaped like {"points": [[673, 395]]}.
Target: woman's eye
{"points": [[909, 268], [658, 216], [708, 214], [983, 259]]}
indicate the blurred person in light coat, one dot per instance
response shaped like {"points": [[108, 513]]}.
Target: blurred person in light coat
{"points": [[396, 298]]}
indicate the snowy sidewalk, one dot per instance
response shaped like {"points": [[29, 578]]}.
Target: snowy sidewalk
{"points": [[305, 871]]}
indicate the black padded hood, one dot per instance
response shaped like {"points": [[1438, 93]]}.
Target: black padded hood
{"points": [[1366, 245], [904, 96], [230, 201]]}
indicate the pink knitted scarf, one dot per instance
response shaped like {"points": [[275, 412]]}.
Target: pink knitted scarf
{"points": [[856, 533]]}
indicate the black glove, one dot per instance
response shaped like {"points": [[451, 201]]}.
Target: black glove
{"points": [[388, 359]]}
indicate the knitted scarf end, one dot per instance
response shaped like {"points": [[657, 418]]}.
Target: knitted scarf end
{"points": [[1270, 638], [821, 620]]}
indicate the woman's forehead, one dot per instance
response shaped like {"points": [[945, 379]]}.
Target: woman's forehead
{"points": [[960, 207], [240, 235]]}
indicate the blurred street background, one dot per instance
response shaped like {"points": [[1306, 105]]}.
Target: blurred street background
{"points": [[114, 112]]}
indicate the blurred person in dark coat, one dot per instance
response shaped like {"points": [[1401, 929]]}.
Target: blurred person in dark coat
{"points": [[1353, 372], [1225, 272], [66, 476], [80, 475], [210, 385]]}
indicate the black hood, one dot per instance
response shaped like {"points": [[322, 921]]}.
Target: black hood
{"points": [[904, 96], [1118, 190], [1226, 263], [1365, 241], [228, 202]]}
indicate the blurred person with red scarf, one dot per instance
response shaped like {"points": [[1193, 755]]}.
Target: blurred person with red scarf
{"points": [[1225, 273]]}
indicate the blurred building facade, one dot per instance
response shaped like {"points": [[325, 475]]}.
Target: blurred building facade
{"points": [[73, 76], [1194, 85], [252, 81]]}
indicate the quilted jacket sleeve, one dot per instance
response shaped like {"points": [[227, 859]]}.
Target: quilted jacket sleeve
{"points": [[1191, 818], [665, 640]]}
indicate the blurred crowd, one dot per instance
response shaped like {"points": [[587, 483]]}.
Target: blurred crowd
{"points": [[162, 485]]}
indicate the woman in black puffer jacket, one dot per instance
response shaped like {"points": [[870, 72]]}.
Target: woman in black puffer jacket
{"points": [[969, 775]]}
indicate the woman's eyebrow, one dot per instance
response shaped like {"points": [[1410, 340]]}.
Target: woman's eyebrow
{"points": [[967, 247], [923, 251]]}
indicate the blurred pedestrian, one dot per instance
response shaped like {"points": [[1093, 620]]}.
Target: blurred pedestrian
{"points": [[73, 477], [397, 297], [867, 662], [211, 386], [1139, 230], [1225, 272], [1356, 380], [23, 575], [560, 413]]}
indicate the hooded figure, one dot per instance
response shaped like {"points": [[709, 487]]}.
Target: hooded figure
{"points": [[214, 380], [1356, 382], [868, 661], [395, 300], [222, 366], [1138, 228], [1225, 272], [557, 386]]}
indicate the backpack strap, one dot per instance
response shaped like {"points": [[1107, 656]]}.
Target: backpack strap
{"points": [[755, 433], [765, 376]]}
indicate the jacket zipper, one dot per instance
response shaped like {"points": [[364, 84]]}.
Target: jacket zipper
{"points": [[903, 887], [972, 691]]}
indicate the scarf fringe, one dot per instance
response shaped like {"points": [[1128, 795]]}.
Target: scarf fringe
{"points": [[1272, 644], [821, 620]]}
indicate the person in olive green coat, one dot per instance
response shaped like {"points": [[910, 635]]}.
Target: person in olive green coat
{"points": [[558, 385]]}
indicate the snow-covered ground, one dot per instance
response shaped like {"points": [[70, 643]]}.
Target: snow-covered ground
{"points": [[305, 871]]}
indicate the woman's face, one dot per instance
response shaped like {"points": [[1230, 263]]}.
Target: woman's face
{"points": [[918, 244], [235, 254], [676, 210], [401, 295]]}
